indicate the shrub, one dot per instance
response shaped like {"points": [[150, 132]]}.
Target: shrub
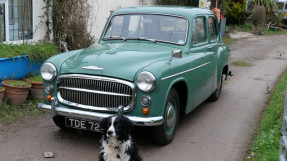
{"points": [[70, 23], [36, 52], [235, 11], [259, 15]]}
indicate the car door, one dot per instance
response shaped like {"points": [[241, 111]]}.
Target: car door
{"points": [[213, 36], [201, 79]]}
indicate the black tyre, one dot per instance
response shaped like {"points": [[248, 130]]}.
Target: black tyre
{"points": [[60, 122], [165, 133], [216, 94]]}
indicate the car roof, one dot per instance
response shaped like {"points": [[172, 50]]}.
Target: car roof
{"points": [[173, 10]]}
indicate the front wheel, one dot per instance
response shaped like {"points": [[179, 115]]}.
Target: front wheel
{"points": [[165, 133]]}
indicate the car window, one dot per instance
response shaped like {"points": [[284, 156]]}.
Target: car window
{"points": [[212, 28], [199, 30], [163, 28]]}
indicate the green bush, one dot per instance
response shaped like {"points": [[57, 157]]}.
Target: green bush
{"points": [[235, 11], [36, 52]]}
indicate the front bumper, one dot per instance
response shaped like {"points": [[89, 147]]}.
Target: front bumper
{"points": [[56, 110]]}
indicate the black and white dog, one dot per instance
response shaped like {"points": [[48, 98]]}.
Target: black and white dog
{"points": [[117, 144]]}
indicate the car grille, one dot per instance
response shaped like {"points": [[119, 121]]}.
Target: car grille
{"points": [[95, 93]]}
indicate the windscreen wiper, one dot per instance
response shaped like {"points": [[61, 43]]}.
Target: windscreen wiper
{"points": [[115, 38], [146, 38], [141, 38]]}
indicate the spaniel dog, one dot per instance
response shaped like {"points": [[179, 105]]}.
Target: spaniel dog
{"points": [[117, 143]]}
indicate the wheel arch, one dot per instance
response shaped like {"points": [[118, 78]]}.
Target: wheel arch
{"points": [[181, 87]]}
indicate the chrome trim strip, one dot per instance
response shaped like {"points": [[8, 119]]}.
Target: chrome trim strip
{"points": [[87, 107], [185, 71], [92, 68], [95, 91], [104, 109], [141, 121]]}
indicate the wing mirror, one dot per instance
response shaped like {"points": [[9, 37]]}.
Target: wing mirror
{"points": [[176, 53]]}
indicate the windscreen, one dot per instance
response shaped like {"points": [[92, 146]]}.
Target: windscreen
{"points": [[163, 28]]}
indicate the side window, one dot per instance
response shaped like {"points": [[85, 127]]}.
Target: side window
{"points": [[212, 28], [199, 30]]}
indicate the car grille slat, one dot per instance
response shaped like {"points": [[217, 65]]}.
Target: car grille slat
{"points": [[95, 93]]}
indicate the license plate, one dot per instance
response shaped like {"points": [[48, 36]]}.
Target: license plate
{"points": [[82, 124]]}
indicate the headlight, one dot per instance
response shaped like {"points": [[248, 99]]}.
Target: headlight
{"points": [[48, 71], [146, 81]]}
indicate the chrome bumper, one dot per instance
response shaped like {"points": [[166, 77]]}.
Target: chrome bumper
{"points": [[56, 110]]}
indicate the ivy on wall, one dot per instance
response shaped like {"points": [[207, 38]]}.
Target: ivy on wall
{"points": [[70, 23]]}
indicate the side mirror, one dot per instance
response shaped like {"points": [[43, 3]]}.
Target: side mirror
{"points": [[176, 53]]}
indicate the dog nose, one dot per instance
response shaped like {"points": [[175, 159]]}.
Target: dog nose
{"points": [[110, 132]]}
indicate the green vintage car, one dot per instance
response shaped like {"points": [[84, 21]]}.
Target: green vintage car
{"points": [[150, 64]]}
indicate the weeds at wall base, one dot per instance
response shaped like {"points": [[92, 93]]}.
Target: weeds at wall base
{"points": [[10, 114]]}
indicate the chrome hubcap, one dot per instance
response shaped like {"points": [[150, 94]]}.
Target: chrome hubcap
{"points": [[170, 116]]}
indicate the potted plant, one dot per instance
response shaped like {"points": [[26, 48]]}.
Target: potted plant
{"points": [[24, 58], [16, 91], [36, 90], [2, 89]]}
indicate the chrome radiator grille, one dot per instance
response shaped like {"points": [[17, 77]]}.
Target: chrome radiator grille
{"points": [[95, 93]]}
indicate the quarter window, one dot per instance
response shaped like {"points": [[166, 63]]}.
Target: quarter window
{"points": [[199, 30], [212, 28]]}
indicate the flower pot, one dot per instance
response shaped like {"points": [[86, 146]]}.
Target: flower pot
{"points": [[267, 26], [18, 66], [36, 90], [1, 94], [15, 95], [279, 29]]}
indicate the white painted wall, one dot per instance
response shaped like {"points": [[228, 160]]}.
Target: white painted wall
{"points": [[101, 10], [40, 27]]}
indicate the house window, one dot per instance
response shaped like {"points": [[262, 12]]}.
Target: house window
{"points": [[2, 22], [16, 20]]}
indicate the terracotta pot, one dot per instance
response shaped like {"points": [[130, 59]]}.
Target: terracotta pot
{"points": [[1, 95], [15, 95], [267, 26], [36, 90], [279, 29]]}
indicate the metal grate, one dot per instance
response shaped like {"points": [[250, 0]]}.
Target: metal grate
{"points": [[95, 93]]}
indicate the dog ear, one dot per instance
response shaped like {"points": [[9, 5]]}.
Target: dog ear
{"points": [[128, 123], [104, 124]]}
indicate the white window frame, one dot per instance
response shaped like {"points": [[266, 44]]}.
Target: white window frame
{"points": [[7, 23]]}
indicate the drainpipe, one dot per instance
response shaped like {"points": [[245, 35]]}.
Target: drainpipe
{"points": [[50, 20]]}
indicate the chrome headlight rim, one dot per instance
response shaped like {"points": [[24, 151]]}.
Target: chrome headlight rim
{"points": [[52, 71], [152, 81]]}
